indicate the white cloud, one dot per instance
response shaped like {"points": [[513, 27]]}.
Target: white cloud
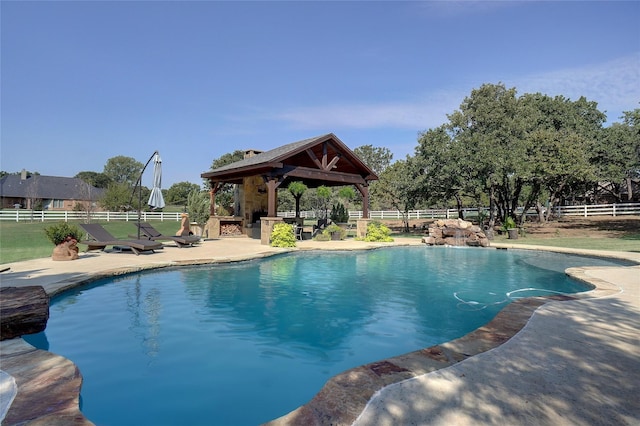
{"points": [[415, 114], [614, 85]]}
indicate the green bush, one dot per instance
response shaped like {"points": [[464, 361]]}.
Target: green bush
{"points": [[59, 232], [283, 235], [333, 228], [322, 237], [198, 203], [509, 223], [377, 232], [339, 213]]}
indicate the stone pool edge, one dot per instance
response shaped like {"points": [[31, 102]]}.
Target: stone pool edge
{"points": [[340, 401]]}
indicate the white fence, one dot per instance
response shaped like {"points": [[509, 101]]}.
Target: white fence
{"points": [[41, 216], [46, 215]]}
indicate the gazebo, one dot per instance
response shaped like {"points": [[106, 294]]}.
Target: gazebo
{"points": [[322, 160]]}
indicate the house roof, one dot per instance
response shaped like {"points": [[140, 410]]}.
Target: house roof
{"points": [[321, 160], [47, 188]]}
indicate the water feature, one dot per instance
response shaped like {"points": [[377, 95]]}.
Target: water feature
{"points": [[244, 343]]}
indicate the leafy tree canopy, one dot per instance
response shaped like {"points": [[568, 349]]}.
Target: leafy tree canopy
{"points": [[376, 158], [178, 193], [123, 169], [99, 180]]}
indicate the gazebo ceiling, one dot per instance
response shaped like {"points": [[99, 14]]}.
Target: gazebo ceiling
{"points": [[323, 160]]}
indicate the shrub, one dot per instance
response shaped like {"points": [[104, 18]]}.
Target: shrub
{"points": [[283, 235], [198, 203], [339, 213], [509, 223], [377, 232], [333, 228], [60, 232], [322, 237]]}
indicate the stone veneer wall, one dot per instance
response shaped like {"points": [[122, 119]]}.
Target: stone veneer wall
{"points": [[254, 198]]}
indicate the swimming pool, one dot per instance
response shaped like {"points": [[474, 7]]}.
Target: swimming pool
{"points": [[248, 342]]}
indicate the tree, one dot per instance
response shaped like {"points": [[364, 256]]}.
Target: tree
{"points": [[227, 158], [86, 203], [98, 180], [123, 169], [617, 157], [489, 140], [399, 188], [297, 189], [117, 197], [514, 149], [224, 195], [198, 203], [560, 136], [324, 193], [442, 173], [376, 158], [178, 193]]}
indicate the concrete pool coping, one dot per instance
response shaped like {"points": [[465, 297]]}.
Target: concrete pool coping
{"points": [[381, 392]]}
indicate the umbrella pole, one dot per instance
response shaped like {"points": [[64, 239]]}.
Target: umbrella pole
{"points": [[139, 184]]}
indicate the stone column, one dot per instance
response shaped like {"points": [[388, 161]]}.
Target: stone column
{"points": [[212, 228], [361, 227], [266, 226]]}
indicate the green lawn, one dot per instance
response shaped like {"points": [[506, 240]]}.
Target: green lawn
{"points": [[629, 243], [26, 240]]}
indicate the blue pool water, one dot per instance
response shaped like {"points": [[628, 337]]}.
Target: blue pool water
{"points": [[244, 343]]}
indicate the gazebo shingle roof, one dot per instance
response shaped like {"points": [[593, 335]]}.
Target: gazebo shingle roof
{"points": [[308, 160]]}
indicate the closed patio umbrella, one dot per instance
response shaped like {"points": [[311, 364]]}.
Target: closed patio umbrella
{"points": [[156, 200]]}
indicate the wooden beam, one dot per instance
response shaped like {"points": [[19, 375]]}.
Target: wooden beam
{"points": [[328, 176], [324, 156], [314, 158], [333, 162]]}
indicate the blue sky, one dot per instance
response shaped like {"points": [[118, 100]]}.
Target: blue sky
{"points": [[85, 81]]}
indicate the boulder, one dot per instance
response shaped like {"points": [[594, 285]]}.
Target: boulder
{"points": [[456, 232], [67, 250]]}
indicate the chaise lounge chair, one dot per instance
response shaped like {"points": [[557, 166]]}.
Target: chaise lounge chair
{"points": [[153, 234], [102, 239]]}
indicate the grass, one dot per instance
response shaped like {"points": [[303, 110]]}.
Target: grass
{"points": [[27, 240], [628, 243]]}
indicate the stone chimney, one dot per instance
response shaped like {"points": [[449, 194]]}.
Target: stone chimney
{"points": [[23, 175], [251, 153]]}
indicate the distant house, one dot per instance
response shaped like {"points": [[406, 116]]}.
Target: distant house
{"points": [[46, 192]]}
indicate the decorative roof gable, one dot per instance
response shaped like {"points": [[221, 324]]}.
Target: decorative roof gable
{"points": [[321, 160]]}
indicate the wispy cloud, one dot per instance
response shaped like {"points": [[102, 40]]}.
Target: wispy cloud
{"points": [[614, 85]]}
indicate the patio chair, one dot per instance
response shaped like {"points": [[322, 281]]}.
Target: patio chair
{"points": [[298, 230], [102, 238], [154, 235], [317, 229]]}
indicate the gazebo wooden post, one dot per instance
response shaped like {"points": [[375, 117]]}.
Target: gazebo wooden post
{"points": [[363, 223], [272, 192], [212, 201], [267, 223], [212, 227]]}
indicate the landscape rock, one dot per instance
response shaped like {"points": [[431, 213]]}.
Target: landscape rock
{"points": [[455, 232]]}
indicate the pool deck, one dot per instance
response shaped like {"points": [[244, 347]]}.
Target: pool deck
{"points": [[540, 361]]}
